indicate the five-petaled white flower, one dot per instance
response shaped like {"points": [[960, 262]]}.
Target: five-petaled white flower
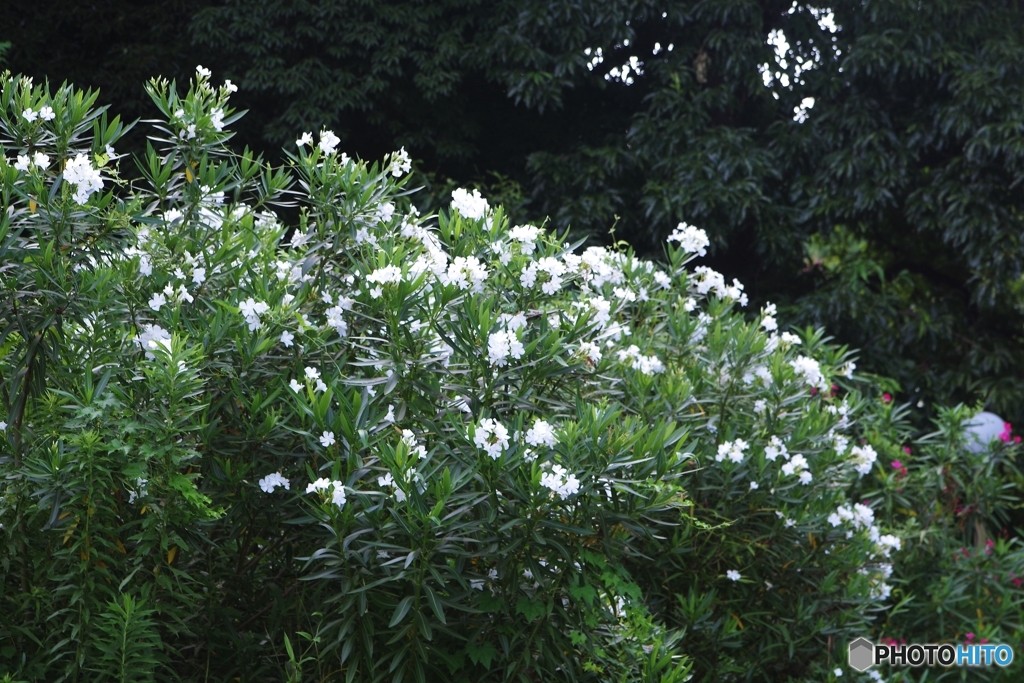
{"points": [[287, 338], [306, 139], [733, 575], [327, 439]]}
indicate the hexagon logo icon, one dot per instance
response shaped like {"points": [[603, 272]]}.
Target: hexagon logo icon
{"points": [[862, 654]]}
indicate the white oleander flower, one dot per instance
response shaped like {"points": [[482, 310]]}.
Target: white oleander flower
{"points": [[863, 458], [691, 240], [491, 436], [328, 141], [733, 450], [541, 434], [470, 205], [560, 481], [272, 481], [400, 163]]}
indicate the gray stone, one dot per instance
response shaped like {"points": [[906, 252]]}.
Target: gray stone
{"points": [[981, 430]]}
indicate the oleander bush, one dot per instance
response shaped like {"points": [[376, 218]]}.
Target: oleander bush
{"points": [[268, 424]]}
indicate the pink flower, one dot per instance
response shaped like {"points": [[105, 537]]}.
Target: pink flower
{"points": [[906, 449], [984, 640], [1016, 582], [969, 637], [896, 464], [1007, 433], [886, 397]]}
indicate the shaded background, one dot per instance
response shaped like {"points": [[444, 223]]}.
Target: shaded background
{"points": [[889, 211]]}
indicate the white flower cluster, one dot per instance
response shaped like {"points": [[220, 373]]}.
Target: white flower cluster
{"points": [[707, 280], [251, 310], [648, 365], [326, 487], [598, 266], [466, 272], [691, 240], [560, 481], [590, 351], [527, 236], [151, 333], [335, 320], [798, 465], [809, 370], [312, 375], [501, 345], [328, 141], [768, 321], [758, 372], [551, 267], [217, 119], [140, 490], [887, 543], [383, 276], [733, 450], [784, 340], [863, 458], [414, 446], [541, 434], [400, 163], [470, 205], [860, 516], [45, 113], [272, 481], [775, 448], [25, 162], [387, 480], [79, 172], [491, 436]]}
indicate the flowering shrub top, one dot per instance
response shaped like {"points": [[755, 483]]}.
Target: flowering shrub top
{"points": [[417, 445]]}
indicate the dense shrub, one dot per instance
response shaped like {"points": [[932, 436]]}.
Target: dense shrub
{"points": [[367, 444], [960, 575]]}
